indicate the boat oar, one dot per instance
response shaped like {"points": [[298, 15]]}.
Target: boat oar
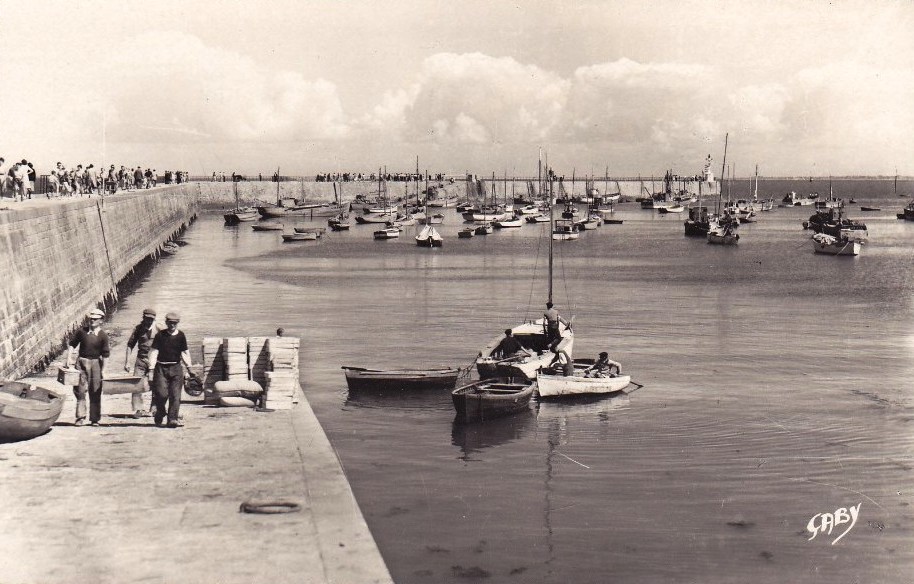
{"points": [[636, 388]]}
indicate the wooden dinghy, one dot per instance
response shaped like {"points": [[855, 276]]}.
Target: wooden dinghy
{"points": [[404, 379], [26, 411], [559, 385], [491, 398]]}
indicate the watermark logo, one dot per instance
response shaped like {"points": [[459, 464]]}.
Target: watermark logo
{"points": [[825, 523]]}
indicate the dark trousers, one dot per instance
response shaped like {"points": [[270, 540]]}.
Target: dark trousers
{"points": [[167, 383], [90, 382]]}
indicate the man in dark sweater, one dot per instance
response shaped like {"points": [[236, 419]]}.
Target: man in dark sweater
{"points": [[168, 351], [90, 360]]}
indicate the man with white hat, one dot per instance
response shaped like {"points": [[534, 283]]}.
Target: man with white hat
{"points": [[168, 351], [93, 350], [141, 338]]}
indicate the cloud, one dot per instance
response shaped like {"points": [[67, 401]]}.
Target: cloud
{"points": [[474, 99], [176, 87]]}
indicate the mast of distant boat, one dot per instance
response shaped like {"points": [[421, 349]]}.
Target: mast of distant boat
{"points": [[723, 171], [551, 231]]}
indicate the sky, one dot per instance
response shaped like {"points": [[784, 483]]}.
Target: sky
{"points": [[630, 87]]}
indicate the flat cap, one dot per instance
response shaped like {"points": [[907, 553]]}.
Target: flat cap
{"points": [[149, 312], [96, 313], [172, 316]]}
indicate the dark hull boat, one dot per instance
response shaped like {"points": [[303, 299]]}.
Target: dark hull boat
{"points": [[26, 411], [400, 379], [491, 398]]}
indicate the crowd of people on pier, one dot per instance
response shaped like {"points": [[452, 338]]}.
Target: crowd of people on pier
{"points": [[19, 180]]}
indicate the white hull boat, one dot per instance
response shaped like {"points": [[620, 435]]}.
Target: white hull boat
{"points": [[560, 385]]}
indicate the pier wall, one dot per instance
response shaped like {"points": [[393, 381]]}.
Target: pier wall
{"points": [[219, 195], [60, 259]]}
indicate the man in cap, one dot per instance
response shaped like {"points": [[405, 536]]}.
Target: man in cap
{"points": [[141, 338], [168, 351], [90, 360]]}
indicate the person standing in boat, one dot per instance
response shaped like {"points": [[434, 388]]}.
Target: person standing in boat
{"points": [[510, 347], [562, 358], [168, 351], [551, 323], [141, 338], [90, 360]]}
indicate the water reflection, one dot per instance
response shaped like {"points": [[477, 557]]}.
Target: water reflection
{"points": [[471, 438], [401, 399]]}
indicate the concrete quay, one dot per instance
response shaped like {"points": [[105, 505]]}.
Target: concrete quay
{"points": [[129, 502]]}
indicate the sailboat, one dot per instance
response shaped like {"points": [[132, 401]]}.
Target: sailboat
{"points": [[428, 236], [383, 214], [532, 336], [722, 227], [239, 214], [341, 222]]}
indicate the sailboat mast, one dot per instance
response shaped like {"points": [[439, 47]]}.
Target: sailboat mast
{"points": [[723, 170], [551, 229], [755, 192], [278, 200]]}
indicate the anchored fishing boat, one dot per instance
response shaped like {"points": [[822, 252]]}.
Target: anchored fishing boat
{"points": [[429, 237], [829, 245]]}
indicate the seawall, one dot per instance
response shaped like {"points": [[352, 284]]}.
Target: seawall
{"points": [[218, 195], [60, 258]]}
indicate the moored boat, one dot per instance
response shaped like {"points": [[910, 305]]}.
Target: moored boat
{"points": [[389, 233], [466, 232], [829, 245], [26, 410], [267, 226], [548, 385], [429, 237], [491, 398], [403, 379], [296, 236]]}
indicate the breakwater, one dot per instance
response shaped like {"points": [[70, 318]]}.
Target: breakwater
{"points": [[218, 195], [62, 258]]}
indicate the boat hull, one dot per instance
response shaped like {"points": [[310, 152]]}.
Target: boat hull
{"points": [[26, 411], [491, 398], [360, 378], [559, 385], [533, 338]]}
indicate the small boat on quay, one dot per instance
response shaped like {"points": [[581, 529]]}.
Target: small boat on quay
{"points": [[829, 245], [26, 410], [491, 398], [400, 379]]}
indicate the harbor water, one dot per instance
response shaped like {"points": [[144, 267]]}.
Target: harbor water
{"points": [[777, 387]]}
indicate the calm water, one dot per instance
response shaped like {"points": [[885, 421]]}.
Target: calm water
{"points": [[777, 386]]}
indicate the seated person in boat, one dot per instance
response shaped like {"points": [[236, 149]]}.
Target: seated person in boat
{"points": [[603, 367], [510, 347]]}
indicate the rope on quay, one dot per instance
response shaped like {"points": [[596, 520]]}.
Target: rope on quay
{"points": [[270, 507]]}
